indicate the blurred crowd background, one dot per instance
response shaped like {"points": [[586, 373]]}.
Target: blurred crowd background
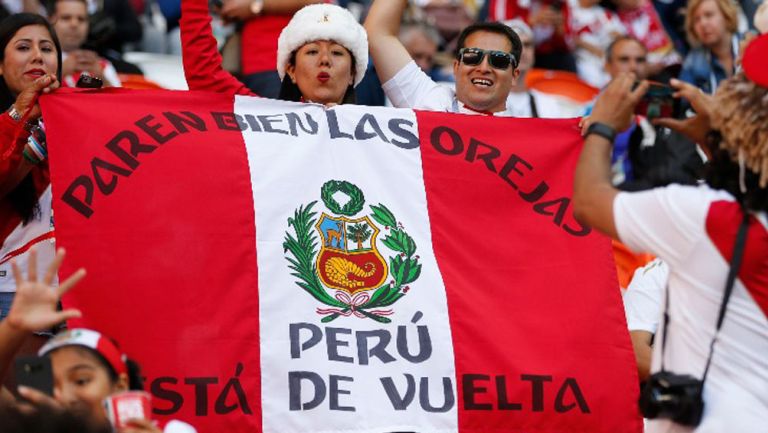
{"points": [[696, 40]]}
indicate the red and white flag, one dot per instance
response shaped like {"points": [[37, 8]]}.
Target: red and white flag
{"points": [[286, 268]]}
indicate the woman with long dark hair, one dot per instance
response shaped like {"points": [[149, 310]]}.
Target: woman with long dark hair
{"points": [[322, 55], [29, 65]]}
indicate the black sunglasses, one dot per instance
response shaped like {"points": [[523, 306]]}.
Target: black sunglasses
{"points": [[497, 59]]}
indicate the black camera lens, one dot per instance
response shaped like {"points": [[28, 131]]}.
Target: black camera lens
{"points": [[673, 396]]}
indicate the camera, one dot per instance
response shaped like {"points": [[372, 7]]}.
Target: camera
{"points": [[88, 81], [658, 101], [676, 397]]}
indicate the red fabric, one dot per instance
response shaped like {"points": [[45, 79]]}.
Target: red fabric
{"points": [[501, 10], [24, 248], [723, 222], [10, 158], [202, 61], [754, 60], [510, 9], [651, 32], [171, 255], [155, 277], [258, 43], [112, 354], [544, 282]]}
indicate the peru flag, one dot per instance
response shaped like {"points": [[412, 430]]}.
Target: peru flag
{"points": [[285, 268]]}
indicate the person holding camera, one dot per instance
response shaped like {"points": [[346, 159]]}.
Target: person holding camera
{"points": [[710, 369], [647, 155]]}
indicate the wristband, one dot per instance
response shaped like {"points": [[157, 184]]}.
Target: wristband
{"points": [[14, 114], [36, 147], [30, 156], [602, 130]]}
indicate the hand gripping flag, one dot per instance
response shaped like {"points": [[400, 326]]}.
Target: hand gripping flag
{"points": [[286, 268]]}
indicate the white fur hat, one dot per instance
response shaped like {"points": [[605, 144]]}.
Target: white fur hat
{"points": [[320, 22]]}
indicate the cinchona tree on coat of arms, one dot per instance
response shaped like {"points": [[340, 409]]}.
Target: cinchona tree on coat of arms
{"points": [[348, 274]]}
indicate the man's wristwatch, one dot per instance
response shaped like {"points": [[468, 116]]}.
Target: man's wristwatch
{"points": [[602, 130], [256, 7]]}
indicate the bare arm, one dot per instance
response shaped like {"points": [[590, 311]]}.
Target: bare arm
{"points": [[383, 27], [641, 343], [593, 192], [202, 61]]}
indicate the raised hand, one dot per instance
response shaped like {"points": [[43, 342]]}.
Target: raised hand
{"points": [[34, 305]]}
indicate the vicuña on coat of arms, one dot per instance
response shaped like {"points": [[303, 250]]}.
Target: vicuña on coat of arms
{"points": [[348, 274]]}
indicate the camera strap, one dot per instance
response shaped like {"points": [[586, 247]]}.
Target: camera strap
{"points": [[738, 254]]}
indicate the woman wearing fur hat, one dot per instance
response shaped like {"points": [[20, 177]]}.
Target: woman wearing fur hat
{"points": [[322, 55], [699, 231]]}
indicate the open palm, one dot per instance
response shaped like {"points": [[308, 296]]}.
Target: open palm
{"points": [[34, 305]]}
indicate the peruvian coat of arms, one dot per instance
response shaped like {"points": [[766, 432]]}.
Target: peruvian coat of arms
{"points": [[348, 274]]}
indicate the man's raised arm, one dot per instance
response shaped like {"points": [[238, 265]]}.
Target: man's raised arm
{"points": [[383, 27]]}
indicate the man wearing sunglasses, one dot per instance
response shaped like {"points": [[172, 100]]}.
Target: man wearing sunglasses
{"points": [[485, 68]]}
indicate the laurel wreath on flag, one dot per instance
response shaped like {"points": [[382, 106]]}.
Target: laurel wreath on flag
{"points": [[355, 194], [404, 266]]}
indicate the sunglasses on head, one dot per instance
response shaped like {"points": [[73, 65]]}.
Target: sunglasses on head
{"points": [[497, 59]]}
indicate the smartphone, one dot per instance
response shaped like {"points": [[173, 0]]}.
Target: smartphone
{"points": [[35, 372], [88, 81], [658, 102]]}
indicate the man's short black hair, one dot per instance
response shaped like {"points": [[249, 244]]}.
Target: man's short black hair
{"points": [[498, 28]]}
